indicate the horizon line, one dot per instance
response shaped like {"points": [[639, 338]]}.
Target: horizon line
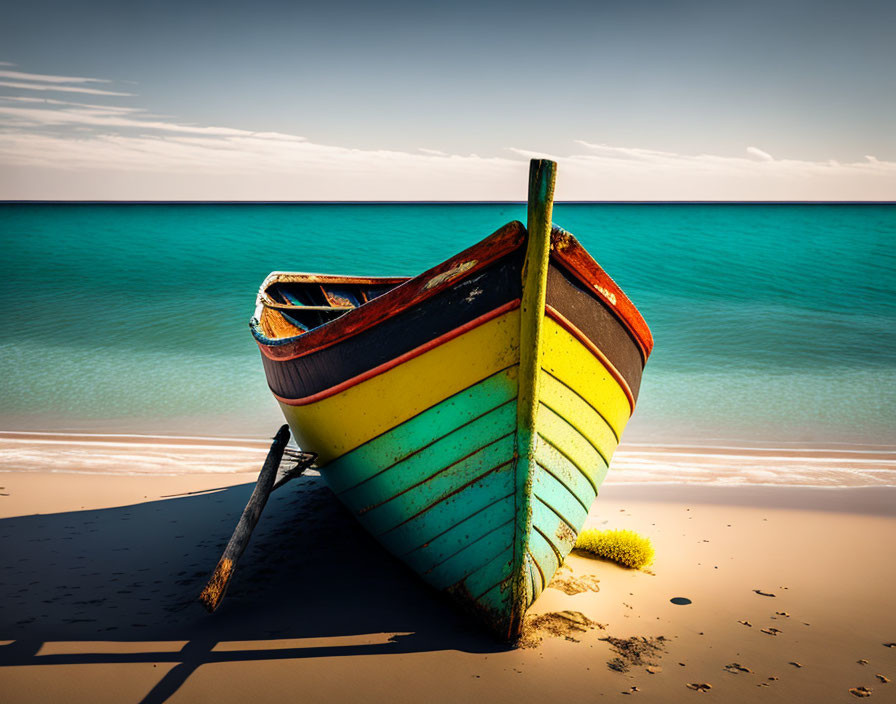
{"points": [[36, 201]]}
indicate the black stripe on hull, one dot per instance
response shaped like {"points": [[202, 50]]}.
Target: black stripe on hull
{"points": [[584, 309], [468, 299]]}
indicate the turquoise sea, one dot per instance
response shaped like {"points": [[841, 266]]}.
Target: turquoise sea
{"points": [[773, 323]]}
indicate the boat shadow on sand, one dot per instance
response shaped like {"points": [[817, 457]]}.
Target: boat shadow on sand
{"points": [[132, 574]]}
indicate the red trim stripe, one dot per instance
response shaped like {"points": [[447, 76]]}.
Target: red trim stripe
{"points": [[401, 359], [581, 337], [574, 257], [403, 296]]}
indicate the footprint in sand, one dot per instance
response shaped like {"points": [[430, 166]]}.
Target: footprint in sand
{"points": [[762, 593], [771, 631], [861, 691], [571, 585], [699, 686], [863, 661], [882, 678], [735, 668], [746, 623]]}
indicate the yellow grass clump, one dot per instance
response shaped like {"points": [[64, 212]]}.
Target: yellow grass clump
{"points": [[623, 546]]}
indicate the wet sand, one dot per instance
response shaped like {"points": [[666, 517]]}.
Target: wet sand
{"points": [[791, 589]]}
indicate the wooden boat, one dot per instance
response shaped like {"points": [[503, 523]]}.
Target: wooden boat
{"points": [[466, 416]]}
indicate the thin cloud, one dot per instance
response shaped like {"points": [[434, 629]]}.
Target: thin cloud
{"points": [[90, 106], [60, 88], [758, 153], [52, 148], [20, 76]]}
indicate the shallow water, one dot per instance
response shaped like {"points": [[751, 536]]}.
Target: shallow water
{"points": [[773, 323]]}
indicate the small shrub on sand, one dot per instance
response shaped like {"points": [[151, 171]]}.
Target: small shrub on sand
{"points": [[623, 546]]}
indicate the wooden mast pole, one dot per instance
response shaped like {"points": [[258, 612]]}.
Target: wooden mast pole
{"points": [[542, 176]]}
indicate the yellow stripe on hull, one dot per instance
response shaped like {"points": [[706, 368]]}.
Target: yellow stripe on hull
{"points": [[338, 424], [568, 360]]}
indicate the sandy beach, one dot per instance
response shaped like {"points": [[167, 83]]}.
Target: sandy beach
{"points": [[790, 589]]}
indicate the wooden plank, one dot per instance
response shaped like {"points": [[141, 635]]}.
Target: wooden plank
{"points": [[217, 585], [587, 312], [566, 403], [495, 485], [569, 361], [340, 423], [437, 421], [572, 255], [440, 484], [311, 373], [431, 550], [471, 443], [400, 298]]}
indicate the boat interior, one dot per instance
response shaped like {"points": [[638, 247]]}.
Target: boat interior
{"points": [[293, 304]]}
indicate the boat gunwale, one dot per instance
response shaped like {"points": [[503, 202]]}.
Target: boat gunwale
{"points": [[402, 358], [570, 253], [279, 277], [405, 295]]}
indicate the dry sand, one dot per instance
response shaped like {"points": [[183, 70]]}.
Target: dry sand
{"points": [[100, 575]]}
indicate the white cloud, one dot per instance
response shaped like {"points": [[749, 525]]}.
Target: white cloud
{"points": [[111, 109], [757, 152], [57, 149], [59, 88], [19, 76]]}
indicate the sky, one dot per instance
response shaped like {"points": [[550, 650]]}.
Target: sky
{"points": [[400, 100]]}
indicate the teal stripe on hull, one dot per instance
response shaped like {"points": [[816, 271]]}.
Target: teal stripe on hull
{"points": [[438, 491], [382, 452]]}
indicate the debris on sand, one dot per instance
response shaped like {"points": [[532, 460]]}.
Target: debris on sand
{"points": [[762, 593], [699, 686], [735, 668], [560, 624], [860, 691], [635, 651], [575, 585]]}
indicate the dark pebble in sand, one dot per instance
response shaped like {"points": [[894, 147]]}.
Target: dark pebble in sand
{"points": [[680, 600]]}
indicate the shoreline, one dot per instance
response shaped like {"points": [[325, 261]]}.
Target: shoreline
{"points": [[741, 464], [103, 571]]}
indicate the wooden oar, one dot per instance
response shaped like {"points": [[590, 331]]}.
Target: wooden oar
{"points": [[214, 591]]}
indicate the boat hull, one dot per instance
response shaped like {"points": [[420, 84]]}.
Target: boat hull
{"points": [[468, 416]]}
